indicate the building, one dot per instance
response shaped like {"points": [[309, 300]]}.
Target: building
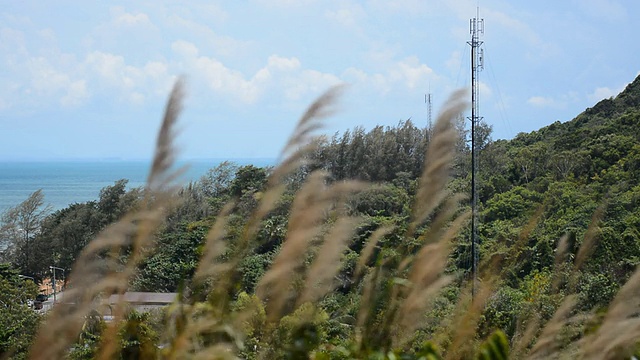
{"points": [[140, 301]]}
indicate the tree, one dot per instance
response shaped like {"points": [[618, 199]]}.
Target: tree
{"points": [[18, 323], [66, 232], [216, 181], [248, 179], [18, 227], [115, 201]]}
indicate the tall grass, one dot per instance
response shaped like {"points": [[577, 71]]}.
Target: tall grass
{"points": [[211, 320]]}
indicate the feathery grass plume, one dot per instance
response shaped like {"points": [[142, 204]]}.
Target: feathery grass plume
{"points": [[431, 192], [532, 325], [220, 276], [591, 237], [468, 313], [309, 122], [328, 260], [304, 222], [370, 246], [618, 335], [160, 175], [426, 279], [440, 153], [310, 207], [424, 276], [99, 271], [547, 343], [214, 247], [436, 229], [523, 238], [301, 143], [365, 328]]}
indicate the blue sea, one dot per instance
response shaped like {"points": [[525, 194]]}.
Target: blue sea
{"points": [[68, 182]]}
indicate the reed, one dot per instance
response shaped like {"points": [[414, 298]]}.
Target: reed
{"points": [[210, 321]]}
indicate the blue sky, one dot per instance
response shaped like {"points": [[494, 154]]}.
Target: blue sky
{"points": [[82, 79]]}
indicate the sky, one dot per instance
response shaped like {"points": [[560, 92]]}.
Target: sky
{"points": [[89, 80]]}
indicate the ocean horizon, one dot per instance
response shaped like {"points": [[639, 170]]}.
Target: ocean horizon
{"points": [[69, 181]]}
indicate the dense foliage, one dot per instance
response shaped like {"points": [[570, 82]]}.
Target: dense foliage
{"points": [[18, 321], [576, 181]]}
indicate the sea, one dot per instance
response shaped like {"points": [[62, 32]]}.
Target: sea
{"points": [[66, 182]]}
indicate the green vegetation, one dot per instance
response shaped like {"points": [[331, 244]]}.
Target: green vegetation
{"points": [[355, 246], [18, 322]]}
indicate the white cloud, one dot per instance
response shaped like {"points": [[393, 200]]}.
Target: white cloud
{"points": [[127, 19], [184, 48], [541, 101], [610, 10], [485, 90], [408, 74], [308, 82], [348, 16], [276, 62], [212, 11], [280, 74], [48, 81], [413, 7], [604, 93], [215, 74], [454, 62], [129, 81], [285, 3], [203, 34], [76, 93], [414, 73], [124, 31]]}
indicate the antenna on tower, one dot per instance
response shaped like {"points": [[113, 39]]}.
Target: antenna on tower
{"points": [[427, 100], [476, 28]]}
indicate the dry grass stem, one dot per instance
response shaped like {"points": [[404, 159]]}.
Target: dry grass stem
{"points": [[305, 219], [328, 260], [165, 151], [440, 153], [618, 335], [98, 271], [214, 245], [426, 277], [547, 343], [590, 237], [468, 314], [310, 121], [370, 246]]}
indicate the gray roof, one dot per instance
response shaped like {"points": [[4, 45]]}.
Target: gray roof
{"points": [[143, 298]]}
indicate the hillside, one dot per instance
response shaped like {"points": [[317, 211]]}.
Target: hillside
{"points": [[299, 260], [568, 171]]}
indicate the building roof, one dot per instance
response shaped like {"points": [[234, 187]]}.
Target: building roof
{"points": [[143, 298]]}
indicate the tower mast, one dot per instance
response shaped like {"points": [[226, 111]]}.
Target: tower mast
{"points": [[427, 100], [476, 28]]}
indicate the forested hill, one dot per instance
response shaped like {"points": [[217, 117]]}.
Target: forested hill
{"points": [[595, 140], [576, 180], [569, 170]]}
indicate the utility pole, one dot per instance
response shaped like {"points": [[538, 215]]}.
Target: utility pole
{"points": [[476, 28], [53, 268]]}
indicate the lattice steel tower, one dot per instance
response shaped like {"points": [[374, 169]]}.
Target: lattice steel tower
{"points": [[476, 28]]}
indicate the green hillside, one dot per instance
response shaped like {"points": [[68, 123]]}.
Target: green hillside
{"points": [[302, 261]]}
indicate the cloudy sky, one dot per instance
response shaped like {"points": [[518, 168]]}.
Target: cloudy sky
{"points": [[82, 79]]}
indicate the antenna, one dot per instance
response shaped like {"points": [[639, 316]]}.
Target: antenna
{"points": [[476, 28], [427, 100]]}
